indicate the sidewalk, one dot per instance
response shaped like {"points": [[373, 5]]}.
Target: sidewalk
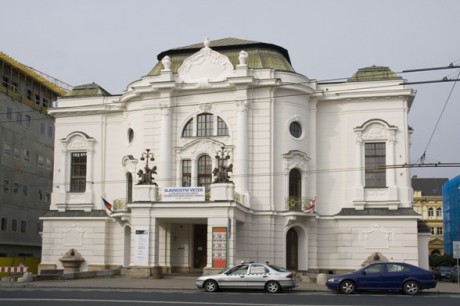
{"points": [[170, 283]]}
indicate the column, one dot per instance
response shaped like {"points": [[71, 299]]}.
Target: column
{"points": [[242, 150], [164, 163]]}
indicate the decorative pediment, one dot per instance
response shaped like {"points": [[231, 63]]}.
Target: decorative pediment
{"points": [[78, 141], [295, 159], [376, 129], [200, 146], [205, 66]]}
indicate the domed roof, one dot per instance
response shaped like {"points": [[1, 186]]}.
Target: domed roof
{"points": [[260, 55], [374, 73], [88, 90]]}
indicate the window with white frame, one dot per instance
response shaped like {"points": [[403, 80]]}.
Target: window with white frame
{"points": [[204, 171], [439, 212], [7, 149], [430, 212], [207, 124], [78, 172], [15, 188], [186, 173], [26, 155], [27, 121], [375, 161], [25, 190], [6, 186], [17, 153], [41, 161], [439, 230], [4, 224]]}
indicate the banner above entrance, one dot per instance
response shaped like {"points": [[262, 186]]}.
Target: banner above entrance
{"points": [[183, 194]]}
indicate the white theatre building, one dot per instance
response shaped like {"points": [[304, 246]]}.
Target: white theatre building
{"points": [[313, 184]]}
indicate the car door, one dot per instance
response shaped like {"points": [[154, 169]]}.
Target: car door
{"points": [[257, 276], [371, 277], [395, 275], [235, 278]]}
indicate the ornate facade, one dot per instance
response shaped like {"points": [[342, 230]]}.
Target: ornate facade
{"points": [[309, 188]]}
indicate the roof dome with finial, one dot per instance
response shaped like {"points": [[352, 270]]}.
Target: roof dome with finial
{"points": [[260, 55], [374, 73]]}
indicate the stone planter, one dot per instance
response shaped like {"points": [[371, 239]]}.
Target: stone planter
{"points": [[145, 193], [222, 192]]}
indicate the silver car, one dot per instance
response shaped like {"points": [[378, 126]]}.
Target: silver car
{"points": [[249, 276]]}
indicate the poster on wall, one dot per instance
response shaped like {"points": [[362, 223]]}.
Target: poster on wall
{"points": [[219, 247], [141, 247]]}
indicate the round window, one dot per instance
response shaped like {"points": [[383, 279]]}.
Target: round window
{"points": [[130, 135], [295, 129]]}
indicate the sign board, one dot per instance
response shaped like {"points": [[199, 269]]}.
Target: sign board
{"points": [[141, 247], [456, 249], [219, 247], [183, 194]]}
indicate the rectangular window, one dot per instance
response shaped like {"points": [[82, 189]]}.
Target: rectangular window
{"points": [[27, 121], [186, 173], [6, 186], [78, 172], [29, 94], [48, 164], [15, 188], [39, 227], [37, 99], [4, 224], [204, 125], [41, 161], [40, 194], [439, 230], [375, 162], [42, 128], [45, 103], [25, 190], [48, 197], [7, 150], [26, 155], [23, 226], [14, 225], [17, 153], [5, 82]]}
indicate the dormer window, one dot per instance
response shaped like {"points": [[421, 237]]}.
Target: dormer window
{"points": [[207, 125]]}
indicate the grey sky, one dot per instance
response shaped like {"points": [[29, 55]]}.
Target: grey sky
{"points": [[114, 42]]}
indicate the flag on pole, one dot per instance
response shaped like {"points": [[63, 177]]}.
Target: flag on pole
{"points": [[107, 204]]}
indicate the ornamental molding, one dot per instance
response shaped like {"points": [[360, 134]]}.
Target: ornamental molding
{"points": [[205, 66], [376, 237], [202, 146], [78, 141], [296, 159], [374, 130]]}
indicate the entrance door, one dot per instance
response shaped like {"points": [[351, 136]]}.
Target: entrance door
{"points": [[292, 250], [200, 243]]}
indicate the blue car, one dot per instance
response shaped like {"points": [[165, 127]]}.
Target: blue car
{"points": [[386, 276]]}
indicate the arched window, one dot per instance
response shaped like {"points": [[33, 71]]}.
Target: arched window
{"points": [[295, 186], [207, 124], [439, 212], [188, 129], [430, 212], [204, 171]]}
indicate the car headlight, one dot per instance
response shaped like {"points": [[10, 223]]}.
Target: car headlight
{"points": [[332, 280]]}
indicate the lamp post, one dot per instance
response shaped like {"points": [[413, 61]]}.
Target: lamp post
{"points": [[146, 176], [221, 172]]}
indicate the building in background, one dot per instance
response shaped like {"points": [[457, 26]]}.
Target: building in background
{"points": [[224, 153], [26, 157], [451, 201], [428, 202]]}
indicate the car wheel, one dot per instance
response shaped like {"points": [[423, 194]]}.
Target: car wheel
{"points": [[273, 287], [347, 287], [411, 287], [210, 286]]}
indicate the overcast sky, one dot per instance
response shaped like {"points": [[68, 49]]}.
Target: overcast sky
{"points": [[114, 42]]}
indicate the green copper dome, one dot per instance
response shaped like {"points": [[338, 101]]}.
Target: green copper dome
{"points": [[374, 73], [260, 55], [88, 90]]}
